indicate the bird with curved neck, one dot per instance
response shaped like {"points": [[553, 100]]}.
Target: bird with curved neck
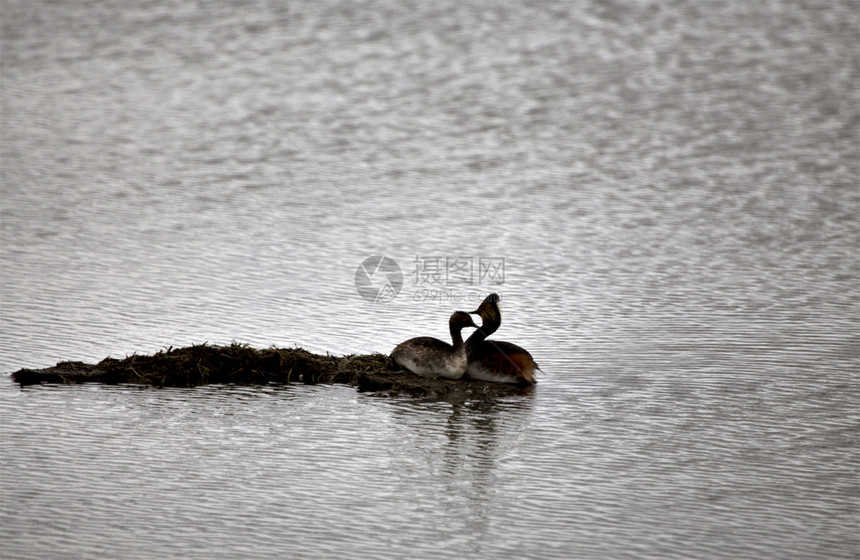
{"points": [[430, 357], [495, 360]]}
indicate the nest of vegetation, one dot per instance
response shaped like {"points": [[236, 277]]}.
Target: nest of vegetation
{"points": [[239, 364]]}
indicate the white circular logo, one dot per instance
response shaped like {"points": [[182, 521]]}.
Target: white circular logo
{"points": [[378, 279]]}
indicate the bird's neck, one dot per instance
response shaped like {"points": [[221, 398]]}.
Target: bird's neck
{"points": [[488, 326], [457, 335]]}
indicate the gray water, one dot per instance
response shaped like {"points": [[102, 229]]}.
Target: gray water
{"points": [[673, 188]]}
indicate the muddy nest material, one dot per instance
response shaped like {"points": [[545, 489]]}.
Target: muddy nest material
{"points": [[240, 364]]}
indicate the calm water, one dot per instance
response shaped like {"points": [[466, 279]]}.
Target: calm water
{"points": [[675, 192]]}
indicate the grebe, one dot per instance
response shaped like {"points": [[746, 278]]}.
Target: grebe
{"points": [[493, 360], [430, 357]]}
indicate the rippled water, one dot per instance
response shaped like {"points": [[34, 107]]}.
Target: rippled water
{"points": [[674, 191]]}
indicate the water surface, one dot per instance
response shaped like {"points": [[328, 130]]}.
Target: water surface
{"points": [[673, 189]]}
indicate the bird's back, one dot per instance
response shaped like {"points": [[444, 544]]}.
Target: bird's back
{"points": [[501, 362], [430, 356]]}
